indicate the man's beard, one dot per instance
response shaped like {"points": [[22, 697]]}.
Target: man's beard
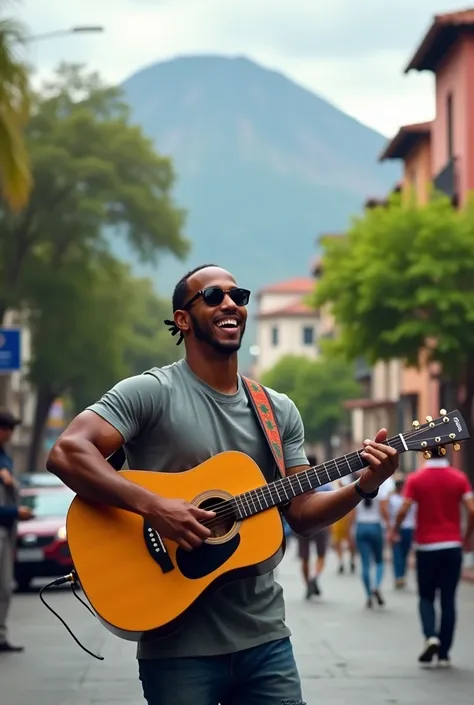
{"points": [[206, 337]]}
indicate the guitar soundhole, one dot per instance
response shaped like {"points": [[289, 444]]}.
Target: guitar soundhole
{"points": [[222, 525]]}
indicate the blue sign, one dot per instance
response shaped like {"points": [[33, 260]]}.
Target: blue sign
{"points": [[10, 349]]}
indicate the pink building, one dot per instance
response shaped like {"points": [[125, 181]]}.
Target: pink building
{"points": [[447, 50]]}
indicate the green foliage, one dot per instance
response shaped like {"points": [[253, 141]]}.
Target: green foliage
{"points": [[97, 178], [15, 99], [403, 278], [318, 388]]}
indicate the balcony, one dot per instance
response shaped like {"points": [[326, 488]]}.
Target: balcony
{"points": [[446, 182]]}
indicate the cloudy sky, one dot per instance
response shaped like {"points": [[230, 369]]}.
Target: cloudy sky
{"points": [[351, 52]]}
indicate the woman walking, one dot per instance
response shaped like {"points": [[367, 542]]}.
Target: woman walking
{"points": [[370, 520], [402, 545]]}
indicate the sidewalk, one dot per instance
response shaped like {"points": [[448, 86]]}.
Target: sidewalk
{"points": [[345, 653]]}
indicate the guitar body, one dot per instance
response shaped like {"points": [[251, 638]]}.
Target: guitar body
{"points": [[141, 586]]}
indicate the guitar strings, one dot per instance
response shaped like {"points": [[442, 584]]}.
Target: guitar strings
{"points": [[224, 510]]}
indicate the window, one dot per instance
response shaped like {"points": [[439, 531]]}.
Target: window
{"points": [[308, 335], [274, 336], [449, 125]]}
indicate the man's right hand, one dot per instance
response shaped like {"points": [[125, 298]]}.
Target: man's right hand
{"points": [[179, 521], [25, 513]]}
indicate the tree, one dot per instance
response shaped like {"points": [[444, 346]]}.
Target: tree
{"points": [[318, 388], [149, 343], [15, 99], [93, 325], [402, 282], [97, 178]]}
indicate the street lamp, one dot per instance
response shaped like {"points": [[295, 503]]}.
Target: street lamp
{"points": [[65, 32]]}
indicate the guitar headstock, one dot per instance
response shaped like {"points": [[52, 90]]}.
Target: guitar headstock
{"points": [[433, 436]]}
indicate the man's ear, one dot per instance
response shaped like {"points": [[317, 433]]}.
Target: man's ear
{"points": [[181, 319]]}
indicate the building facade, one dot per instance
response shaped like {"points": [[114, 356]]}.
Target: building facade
{"points": [[438, 154], [286, 323]]}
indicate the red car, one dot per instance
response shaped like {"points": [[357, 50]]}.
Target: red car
{"points": [[41, 547]]}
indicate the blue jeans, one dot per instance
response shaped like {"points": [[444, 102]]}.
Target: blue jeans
{"points": [[369, 540], [400, 552], [263, 675]]}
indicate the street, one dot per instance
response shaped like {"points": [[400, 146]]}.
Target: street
{"points": [[345, 653]]}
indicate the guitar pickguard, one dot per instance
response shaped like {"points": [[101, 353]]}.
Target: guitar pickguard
{"points": [[206, 559]]}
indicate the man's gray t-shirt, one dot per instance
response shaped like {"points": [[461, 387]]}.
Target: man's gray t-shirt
{"points": [[172, 421]]}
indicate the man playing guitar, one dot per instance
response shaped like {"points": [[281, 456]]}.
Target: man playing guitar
{"points": [[236, 649]]}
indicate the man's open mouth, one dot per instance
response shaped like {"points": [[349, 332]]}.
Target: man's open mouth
{"points": [[230, 323]]}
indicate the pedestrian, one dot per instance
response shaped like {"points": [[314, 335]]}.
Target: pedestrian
{"points": [[10, 512], [320, 541], [370, 522], [236, 647], [402, 547], [439, 491], [342, 535]]}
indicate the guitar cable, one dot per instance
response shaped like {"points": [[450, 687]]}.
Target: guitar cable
{"points": [[72, 580]]}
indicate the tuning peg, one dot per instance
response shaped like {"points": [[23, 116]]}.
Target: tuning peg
{"points": [[456, 446], [442, 412], [429, 419], [415, 424], [427, 454], [442, 450]]}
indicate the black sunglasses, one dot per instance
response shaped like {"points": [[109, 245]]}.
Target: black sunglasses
{"points": [[214, 296]]}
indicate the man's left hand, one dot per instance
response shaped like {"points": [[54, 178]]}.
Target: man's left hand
{"points": [[382, 460]]}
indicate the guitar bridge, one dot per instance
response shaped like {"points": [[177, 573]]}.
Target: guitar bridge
{"points": [[156, 548]]}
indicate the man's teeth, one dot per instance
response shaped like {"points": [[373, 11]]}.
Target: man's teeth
{"points": [[227, 322]]}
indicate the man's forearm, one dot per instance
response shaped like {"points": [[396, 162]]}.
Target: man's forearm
{"points": [[469, 528]]}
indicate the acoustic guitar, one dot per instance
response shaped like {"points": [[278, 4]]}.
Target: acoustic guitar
{"points": [[142, 585]]}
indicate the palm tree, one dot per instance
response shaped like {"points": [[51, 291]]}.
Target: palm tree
{"points": [[15, 175]]}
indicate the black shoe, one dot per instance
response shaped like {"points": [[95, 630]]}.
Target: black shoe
{"points": [[9, 648], [341, 569], [369, 603], [315, 587], [353, 567], [379, 598], [430, 650]]}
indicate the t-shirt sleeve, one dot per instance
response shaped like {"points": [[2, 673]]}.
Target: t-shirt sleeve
{"points": [[130, 404], [293, 438], [409, 490], [466, 487]]}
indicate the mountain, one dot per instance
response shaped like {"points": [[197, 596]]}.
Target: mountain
{"points": [[264, 166]]}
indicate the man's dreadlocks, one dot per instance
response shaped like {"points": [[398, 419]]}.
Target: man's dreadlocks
{"points": [[180, 294]]}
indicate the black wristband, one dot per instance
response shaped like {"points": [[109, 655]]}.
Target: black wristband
{"points": [[360, 491]]}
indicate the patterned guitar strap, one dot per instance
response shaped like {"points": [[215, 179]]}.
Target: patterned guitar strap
{"points": [[265, 412]]}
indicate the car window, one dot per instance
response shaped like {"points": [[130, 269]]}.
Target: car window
{"points": [[48, 504]]}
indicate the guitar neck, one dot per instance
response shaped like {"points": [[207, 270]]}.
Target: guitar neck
{"points": [[281, 491]]}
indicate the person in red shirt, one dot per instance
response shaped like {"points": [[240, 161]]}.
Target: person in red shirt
{"points": [[439, 491]]}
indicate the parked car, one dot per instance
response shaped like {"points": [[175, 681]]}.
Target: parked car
{"points": [[41, 547], [40, 479]]}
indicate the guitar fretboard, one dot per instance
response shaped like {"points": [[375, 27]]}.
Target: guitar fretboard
{"points": [[281, 491]]}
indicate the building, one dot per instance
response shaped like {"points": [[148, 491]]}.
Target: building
{"points": [[447, 50], [286, 323], [438, 154]]}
